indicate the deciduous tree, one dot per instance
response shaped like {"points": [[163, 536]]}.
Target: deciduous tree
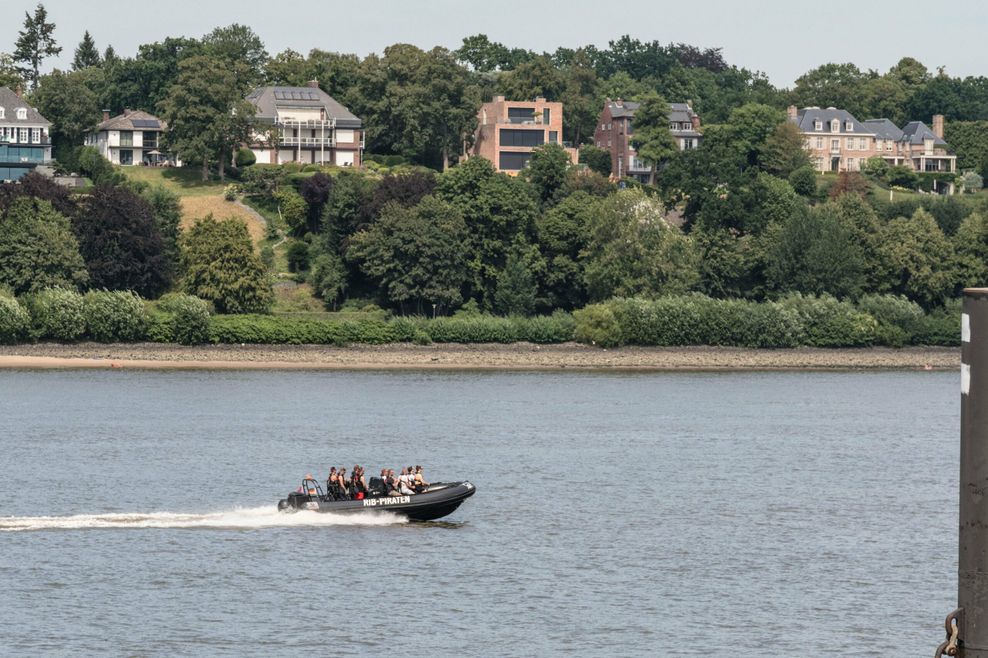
{"points": [[38, 249]]}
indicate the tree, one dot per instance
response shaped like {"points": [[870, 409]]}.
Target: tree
{"points": [[499, 212], [517, 290], [537, 77], [917, 256], [972, 181], [484, 55], [546, 171], [10, 74], [86, 54], [580, 97], [37, 248], [632, 250], [562, 233], [69, 102], [803, 181], [38, 186], [971, 249], [849, 182], [784, 151], [121, 243], [651, 137], [814, 253], [166, 207], [596, 159], [415, 254], [238, 46], [831, 85], [35, 43], [219, 264], [206, 115]]}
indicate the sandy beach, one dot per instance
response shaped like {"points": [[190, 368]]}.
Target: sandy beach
{"points": [[518, 356]]}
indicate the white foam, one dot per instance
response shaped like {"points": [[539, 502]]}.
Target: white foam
{"points": [[251, 518]]}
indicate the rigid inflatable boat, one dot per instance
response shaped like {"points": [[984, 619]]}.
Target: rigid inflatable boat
{"points": [[435, 502]]}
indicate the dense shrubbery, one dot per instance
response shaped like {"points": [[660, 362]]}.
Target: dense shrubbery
{"points": [[187, 318], [795, 320], [57, 314], [114, 316], [15, 322]]}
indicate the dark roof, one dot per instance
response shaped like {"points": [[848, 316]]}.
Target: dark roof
{"points": [[680, 112], [916, 132], [807, 117], [269, 99], [11, 101], [133, 120], [884, 129]]}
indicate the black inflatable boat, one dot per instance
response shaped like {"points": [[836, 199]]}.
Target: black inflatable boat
{"points": [[436, 501]]}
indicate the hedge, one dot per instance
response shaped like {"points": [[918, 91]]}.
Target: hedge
{"points": [[115, 316], [182, 319], [793, 321], [56, 314], [15, 322]]}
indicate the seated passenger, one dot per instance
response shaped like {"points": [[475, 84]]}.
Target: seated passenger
{"points": [[344, 483], [419, 483], [358, 483], [405, 483], [331, 483], [392, 483]]}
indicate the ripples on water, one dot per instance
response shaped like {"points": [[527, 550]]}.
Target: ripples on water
{"points": [[743, 514]]}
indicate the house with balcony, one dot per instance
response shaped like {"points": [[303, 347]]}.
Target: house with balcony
{"points": [[508, 132], [615, 128], [25, 143], [304, 125], [837, 141], [131, 138]]}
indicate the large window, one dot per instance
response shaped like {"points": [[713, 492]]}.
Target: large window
{"points": [[126, 138], [521, 115], [150, 139], [126, 157], [511, 137], [553, 136], [509, 161]]}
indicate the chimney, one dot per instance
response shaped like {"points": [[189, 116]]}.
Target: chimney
{"points": [[540, 99], [938, 125], [792, 112], [499, 99], [695, 119], [19, 91], [314, 83], [106, 115]]}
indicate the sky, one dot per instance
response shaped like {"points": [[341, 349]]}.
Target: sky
{"points": [[784, 39]]}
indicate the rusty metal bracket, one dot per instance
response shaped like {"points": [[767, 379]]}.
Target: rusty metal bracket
{"points": [[952, 628]]}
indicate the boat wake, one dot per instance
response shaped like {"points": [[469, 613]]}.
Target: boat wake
{"points": [[237, 519]]}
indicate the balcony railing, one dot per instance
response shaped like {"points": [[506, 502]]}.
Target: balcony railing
{"points": [[328, 124], [308, 141]]}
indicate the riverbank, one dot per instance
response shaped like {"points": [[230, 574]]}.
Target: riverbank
{"points": [[515, 356]]}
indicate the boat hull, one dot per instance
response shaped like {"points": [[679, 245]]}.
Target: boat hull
{"points": [[441, 499]]}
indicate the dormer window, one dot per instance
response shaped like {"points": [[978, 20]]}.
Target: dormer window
{"points": [[848, 126], [21, 113], [835, 126], [2, 112], [818, 125]]}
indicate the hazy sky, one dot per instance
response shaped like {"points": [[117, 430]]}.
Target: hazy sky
{"points": [[782, 38]]}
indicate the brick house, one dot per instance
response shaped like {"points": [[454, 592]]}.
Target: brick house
{"points": [[508, 131], [615, 127], [305, 125], [837, 141]]}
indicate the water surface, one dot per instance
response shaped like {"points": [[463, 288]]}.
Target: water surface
{"points": [[743, 514]]}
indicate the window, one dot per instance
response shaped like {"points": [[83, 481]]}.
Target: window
{"points": [[850, 143], [126, 139], [1, 113], [150, 139], [22, 113], [545, 116], [818, 125], [35, 135], [510, 161], [835, 126], [22, 135], [628, 129], [553, 136], [835, 145], [688, 143], [863, 144], [126, 157], [850, 164], [848, 126], [878, 145], [513, 137], [819, 142], [521, 115]]}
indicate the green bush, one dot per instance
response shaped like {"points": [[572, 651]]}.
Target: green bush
{"points": [[828, 322], [297, 255], [15, 321], [940, 327], [803, 181], [188, 318], [114, 316], [596, 324], [57, 314], [245, 157], [161, 327], [898, 318], [555, 328]]}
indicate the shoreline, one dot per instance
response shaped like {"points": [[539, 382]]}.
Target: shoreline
{"points": [[485, 357]]}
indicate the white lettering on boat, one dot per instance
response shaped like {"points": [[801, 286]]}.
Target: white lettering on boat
{"points": [[387, 500]]}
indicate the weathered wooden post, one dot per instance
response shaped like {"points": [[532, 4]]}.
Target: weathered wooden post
{"points": [[967, 627]]}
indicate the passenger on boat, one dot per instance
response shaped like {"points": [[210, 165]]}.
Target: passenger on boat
{"points": [[344, 483], [419, 483], [392, 483], [358, 483], [331, 480], [405, 483]]}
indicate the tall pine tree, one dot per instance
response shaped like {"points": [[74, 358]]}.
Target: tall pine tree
{"points": [[86, 54], [35, 43]]}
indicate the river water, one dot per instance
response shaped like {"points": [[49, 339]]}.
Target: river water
{"points": [[739, 514]]}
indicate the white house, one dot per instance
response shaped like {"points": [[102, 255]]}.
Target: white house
{"points": [[131, 138]]}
